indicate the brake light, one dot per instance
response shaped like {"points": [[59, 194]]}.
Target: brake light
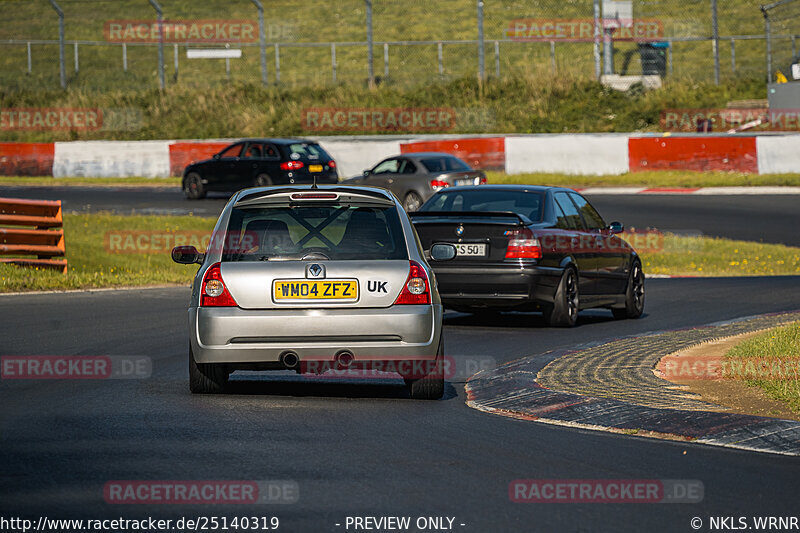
{"points": [[314, 196], [292, 165], [483, 181], [439, 184], [522, 245], [213, 292], [332, 163], [416, 291]]}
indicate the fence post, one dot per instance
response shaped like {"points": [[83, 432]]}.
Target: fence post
{"points": [[669, 56], [124, 57], [262, 41], [733, 54], [385, 60], [597, 39], [715, 42], [77, 66], [481, 56], [228, 68], [175, 58], [553, 55], [370, 59], [497, 58], [29, 58], [767, 30], [440, 57], [160, 15], [333, 61], [277, 63], [62, 68]]}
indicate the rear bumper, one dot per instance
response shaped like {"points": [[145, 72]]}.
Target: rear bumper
{"points": [[235, 335], [496, 285]]}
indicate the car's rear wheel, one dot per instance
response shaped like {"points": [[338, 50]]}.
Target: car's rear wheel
{"points": [[430, 386], [263, 181], [563, 312], [412, 202], [206, 378], [193, 187], [634, 295]]}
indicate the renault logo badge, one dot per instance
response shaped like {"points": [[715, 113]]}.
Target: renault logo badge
{"points": [[315, 270]]}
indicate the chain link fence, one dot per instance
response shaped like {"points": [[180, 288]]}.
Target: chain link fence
{"points": [[781, 21], [114, 44]]}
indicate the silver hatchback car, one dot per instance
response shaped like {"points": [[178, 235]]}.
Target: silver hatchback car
{"points": [[313, 279]]}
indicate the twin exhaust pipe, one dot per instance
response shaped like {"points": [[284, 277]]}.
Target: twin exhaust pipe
{"points": [[343, 359]]}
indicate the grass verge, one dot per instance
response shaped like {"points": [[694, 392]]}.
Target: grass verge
{"points": [[95, 258], [45, 181], [656, 178], [773, 347]]}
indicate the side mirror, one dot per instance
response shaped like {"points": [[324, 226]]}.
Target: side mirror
{"points": [[187, 255], [615, 227], [443, 252], [216, 156], [365, 173]]}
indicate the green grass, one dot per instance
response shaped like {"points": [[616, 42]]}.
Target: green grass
{"points": [[44, 181], [708, 256], [659, 178], [92, 265], [780, 345], [524, 103], [93, 262]]}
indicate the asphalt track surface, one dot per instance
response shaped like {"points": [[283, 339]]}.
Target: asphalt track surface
{"points": [[768, 218], [353, 449]]}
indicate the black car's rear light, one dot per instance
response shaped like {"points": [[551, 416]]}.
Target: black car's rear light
{"points": [[522, 245], [292, 165], [213, 292]]}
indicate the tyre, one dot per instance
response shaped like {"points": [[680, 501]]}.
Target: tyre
{"points": [[412, 201], [193, 187], [205, 378], [431, 386], [563, 312], [262, 181], [634, 294]]}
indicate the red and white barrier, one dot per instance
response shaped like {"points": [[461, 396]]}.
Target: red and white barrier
{"points": [[588, 154]]}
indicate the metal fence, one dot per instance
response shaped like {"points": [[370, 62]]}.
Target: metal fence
{"points": [[781, 20], [119, 44]]}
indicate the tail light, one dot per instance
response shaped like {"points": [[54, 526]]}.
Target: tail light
{"points": [[439, 184], [213, 292], [482, 180], [522, 245], [332, 163], [292, 165], [416, 290]]}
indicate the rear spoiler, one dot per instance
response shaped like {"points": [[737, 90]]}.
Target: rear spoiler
{"points": [[433, 217]]}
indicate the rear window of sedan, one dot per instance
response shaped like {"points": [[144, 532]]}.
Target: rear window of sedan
{"points": [[444, 164], [528, 204], [291, 232]]}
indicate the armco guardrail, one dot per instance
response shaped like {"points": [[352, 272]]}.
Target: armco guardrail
{"points": [[40, 233]]}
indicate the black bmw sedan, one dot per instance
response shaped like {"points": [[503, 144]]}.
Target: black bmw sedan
{"points": [[530, 248], [258, 163]]}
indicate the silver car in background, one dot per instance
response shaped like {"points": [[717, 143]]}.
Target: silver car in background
{"points": [[308, 279]]}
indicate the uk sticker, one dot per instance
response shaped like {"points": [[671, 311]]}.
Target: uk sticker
{"points": [[376, 287]]}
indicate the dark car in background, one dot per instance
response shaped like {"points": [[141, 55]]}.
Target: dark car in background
{"points": [[414, 178], [530, 248], [258, 163]]}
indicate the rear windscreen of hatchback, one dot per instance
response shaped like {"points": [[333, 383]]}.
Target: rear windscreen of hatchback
{"points": [[338, 232], [307, 152]]}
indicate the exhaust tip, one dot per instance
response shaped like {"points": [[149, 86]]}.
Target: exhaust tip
{"points": [[344, 358], [289, 359]]}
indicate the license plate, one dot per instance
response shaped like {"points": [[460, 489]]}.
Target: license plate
{"points": [[315, 168], [468, 181], [471, 249], [322, 289]]}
